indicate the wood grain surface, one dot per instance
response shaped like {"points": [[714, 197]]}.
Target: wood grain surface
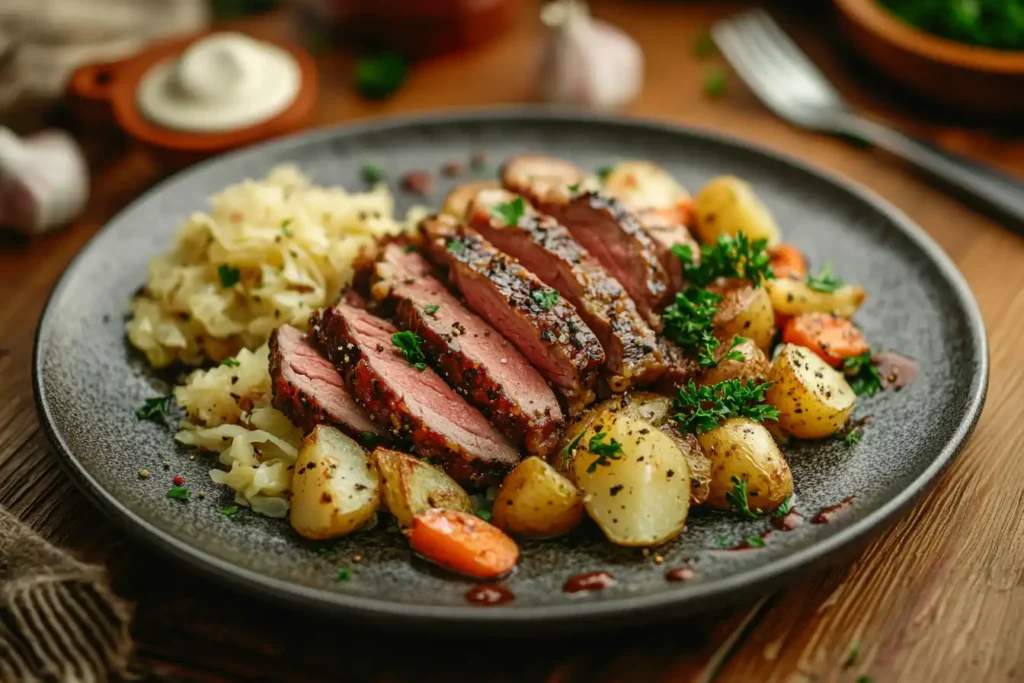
{"points": [[939, 597]]}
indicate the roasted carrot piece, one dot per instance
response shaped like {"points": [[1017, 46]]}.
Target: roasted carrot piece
{"points": [[830, 337], [463, 543], [787, 261]]}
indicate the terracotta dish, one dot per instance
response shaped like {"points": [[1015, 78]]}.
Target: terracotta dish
{"points": [[964, 77], [107, 90]]}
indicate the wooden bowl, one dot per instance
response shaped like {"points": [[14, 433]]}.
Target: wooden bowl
{"points": [[106, 91], [971, 79]]}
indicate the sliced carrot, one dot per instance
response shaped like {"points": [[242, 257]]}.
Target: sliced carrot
{"points": [[830, 337], [463, 543], [787, 261]]}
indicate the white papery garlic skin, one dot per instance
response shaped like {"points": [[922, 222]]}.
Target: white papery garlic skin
{"points": [[587, 61], [44, 182]]}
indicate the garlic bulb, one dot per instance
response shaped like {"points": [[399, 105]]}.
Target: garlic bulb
{"points": [[44, 182], [586, 61]]}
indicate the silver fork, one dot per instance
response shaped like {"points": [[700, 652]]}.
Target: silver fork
{"points": [[789, 84]]}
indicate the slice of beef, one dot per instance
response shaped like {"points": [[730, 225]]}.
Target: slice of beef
{"points": [[414, 406], [665, 232], [309, 390], [534, 318], [614, 236], [547, 249], [474, 359], [679, 367]]}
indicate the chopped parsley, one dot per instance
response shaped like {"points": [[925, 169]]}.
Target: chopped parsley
{"points": [[783, 509], [410, 249], [229, 277], [853, 655], [285, 229], [605, 171], [381, 75], [409, 344], [344, 574], [703, 45], [701, 409], [155, 408], [570, 448], [714, 82], [825, 281], [733, 354], [510, 212], [688, 322], [452, 245], [605, 452], [230, 362], [431, 309], [368, 439], [545, 298], [229, 511], [851, 436], [728, 257], [721, 541], [483, 513], [179, 493], [373, 173], [738, 499], [862, 374], [575, 187], [755, 541]]}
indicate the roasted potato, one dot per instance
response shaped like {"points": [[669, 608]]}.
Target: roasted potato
{"points": [[643, 185], [457, 202], [412, 486], [728, 206], [744, 310], [814, 400], [700, 465], [793, 297], [635, 480], [744, 449], [752, 369], [537, 501], [335, 487]]}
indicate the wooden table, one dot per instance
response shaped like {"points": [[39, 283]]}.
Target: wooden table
{"points": [[939, 597]]}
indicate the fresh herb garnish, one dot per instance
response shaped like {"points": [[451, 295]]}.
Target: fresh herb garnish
{"points": [[605, 171], [863, 678], [575, 187], [728, 257], [570, 448], [997, 24], [688, 322], [285, 229], [373, 173], [545, 298], [452, 245], [825, 281], [431, 309], [784, 508], [154, 408], [862, 374], [714, 81], [179, 493], [755, 541], [721, 541], [853, 655], [410, 249], [229, 277], [380, 75], [732, 353], [510, 212], [229, 511], [409, 344], [483, 513], [851, 436], [701, 409], [605, 452], [738, 498], [344, 574], [703, 45], [368, 439], [230, 362]]}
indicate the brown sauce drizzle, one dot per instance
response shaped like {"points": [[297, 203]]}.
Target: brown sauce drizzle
{"points": [[592, 581], [684, 573], [828, 514], [896, 370], [489, 594]]}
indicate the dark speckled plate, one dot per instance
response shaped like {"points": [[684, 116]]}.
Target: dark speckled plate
{"points": [[88, 385]]}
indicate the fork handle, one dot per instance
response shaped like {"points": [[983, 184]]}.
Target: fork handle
{"points": [[990, 190]]}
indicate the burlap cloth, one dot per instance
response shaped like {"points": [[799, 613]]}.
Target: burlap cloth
{"points": [[59, 619]]}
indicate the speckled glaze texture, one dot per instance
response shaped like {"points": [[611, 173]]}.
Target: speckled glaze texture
{"points": [[89, 383]]}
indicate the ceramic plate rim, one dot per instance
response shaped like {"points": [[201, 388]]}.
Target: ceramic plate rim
{"points": [[640, 608]]}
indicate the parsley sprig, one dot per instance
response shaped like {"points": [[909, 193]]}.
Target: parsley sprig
{"points": [[862, 374], [545, 298], [784, 508], [510, 212], [605, 452], [409, 344], [155, 408], [701, 409], [738, 498], [229, 277], [570, 448], [688, 322], [825, 281], [728, 257]]}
